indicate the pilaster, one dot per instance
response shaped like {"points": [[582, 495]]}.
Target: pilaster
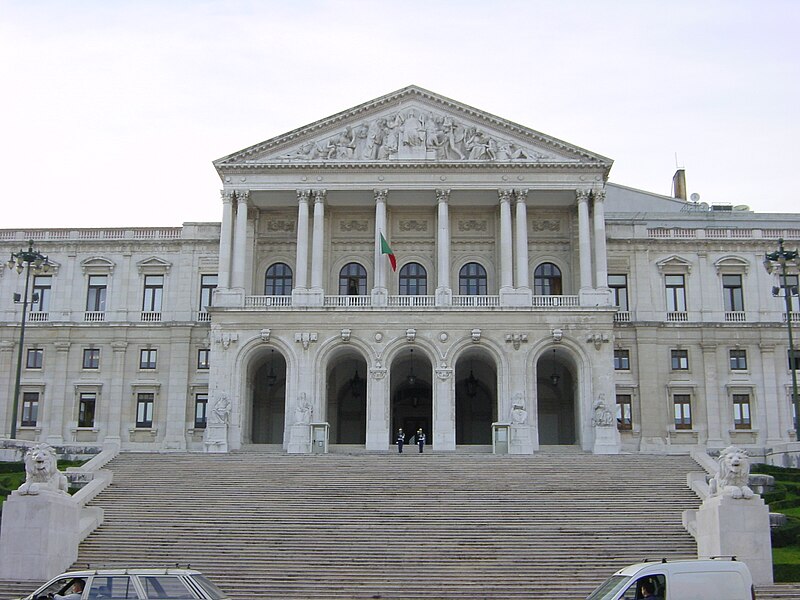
{"points": [[380, 291], [444, 293]]}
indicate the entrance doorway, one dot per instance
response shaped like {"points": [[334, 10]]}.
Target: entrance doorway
{"points": [[269, 400], [476, 399], [412, 396], [347, 400], [556, 400]]}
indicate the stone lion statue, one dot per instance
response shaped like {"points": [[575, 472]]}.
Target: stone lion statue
{"points": [[41, 472], [733, 474]]}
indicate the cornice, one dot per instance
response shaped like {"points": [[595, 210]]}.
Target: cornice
{"points": [[236, 168]]}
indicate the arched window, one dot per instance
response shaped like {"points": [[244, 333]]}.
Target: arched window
{"points": [[472, 280], [413, 280], [547, 280], [353, 280], [278, 281]]}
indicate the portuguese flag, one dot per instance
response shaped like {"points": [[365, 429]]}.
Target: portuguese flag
{"points": [[387, 250]]}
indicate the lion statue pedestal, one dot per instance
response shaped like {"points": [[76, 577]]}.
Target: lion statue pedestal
{"points": [[40, 531]]}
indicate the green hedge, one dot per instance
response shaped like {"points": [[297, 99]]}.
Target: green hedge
{"points": [[785, 573]]}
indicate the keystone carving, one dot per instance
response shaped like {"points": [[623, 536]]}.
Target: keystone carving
{"points": [[305, 339], [516, 339]]}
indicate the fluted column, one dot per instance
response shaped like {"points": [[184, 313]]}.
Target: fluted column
{"points": [[506, 257], [584, 238], [521, 254], [600, 258], [443, 291], [226, 240], [379, 289], [301, 268], [318, 239], [240, 239]]}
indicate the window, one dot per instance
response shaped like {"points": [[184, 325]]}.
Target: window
{"points": [[683, 411], [204, 358], [30, 409], [34, 358], [41, 293], [208, 283], [147, 358], [547, 280], [169, 587], [278, 280], [680, 360], [96, 296], [353, 280], [413, 280], [200, 410], [153, 293], [676, 293], [91, 358], [790, 288], [732, 292], [741, 411], [472, 280], [619, 290], [86, 405], [622, 359], [144, 409], [738, 359], [796, 359], [624, 412]]}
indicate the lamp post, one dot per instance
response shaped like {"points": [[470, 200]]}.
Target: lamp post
{"points": [[24, 260], [781, 257]]}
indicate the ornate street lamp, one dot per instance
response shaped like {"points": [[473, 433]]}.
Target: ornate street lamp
{"points": [[781, 257], [37, 262]]}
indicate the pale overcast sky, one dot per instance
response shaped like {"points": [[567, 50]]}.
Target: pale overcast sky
{"points": [[111, 112]]}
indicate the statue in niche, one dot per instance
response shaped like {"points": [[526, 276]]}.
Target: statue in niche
{"points": [[518, 413], [221, 413], [602, 416], [303, 411]]}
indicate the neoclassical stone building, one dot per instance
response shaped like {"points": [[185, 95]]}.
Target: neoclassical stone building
{"points": [[533, 303]]}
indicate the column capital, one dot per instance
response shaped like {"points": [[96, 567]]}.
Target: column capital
{"points": [[242, 195], [599, 194], [380, 195], [320, 196], [582, 194], [442, 195], [521, 195], [303, 195], [504, 195], [227, 196]]}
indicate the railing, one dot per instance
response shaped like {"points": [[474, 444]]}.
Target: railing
{"points": [[348, 301], [203, 316], [476, 301], [735, 316], [267, 301], [38, 317], [622, 316], [795, 317], [94, 316], [677, 316], [150, 316], [555, 301], [412, 301]]}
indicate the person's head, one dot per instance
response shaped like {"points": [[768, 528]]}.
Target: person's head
{"points": [[79, 585], [648, 587]]}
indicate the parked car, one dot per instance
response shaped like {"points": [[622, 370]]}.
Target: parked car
{"points": [[134, 584], [679, 580]]}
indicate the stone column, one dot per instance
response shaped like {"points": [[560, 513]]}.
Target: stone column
{"points": [[379, 289], [226, 240], [521, 254], [240, 239], [301, 268], [714, 405], [600, 258], [584, 239], [506, 258], [112, 401], [444, 293], [318, 239]]}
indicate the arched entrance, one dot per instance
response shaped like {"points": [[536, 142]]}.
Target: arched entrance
{"points": [[347, 400], [556, 398], [476, 399], [269, 399], [411, 396]]}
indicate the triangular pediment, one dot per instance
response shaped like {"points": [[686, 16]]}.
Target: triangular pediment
{"points": [[412, 125]]}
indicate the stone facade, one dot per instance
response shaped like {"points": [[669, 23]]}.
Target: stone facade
{"points": [[530, 295]]}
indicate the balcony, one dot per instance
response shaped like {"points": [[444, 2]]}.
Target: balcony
{"points": [[38, 317], [150, 317], [622, 316], [267, 301], [410, 302], [677, 317], [94, 316], [203, 316], [735, 316]]}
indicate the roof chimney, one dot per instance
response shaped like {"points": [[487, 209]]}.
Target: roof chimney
{"points": [[679, 184]]}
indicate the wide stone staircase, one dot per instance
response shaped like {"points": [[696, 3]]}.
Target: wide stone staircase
{"points": [[265, 525]]}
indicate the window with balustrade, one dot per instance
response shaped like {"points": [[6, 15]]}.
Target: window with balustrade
{"points": [[619, 291], [278, 280], [472, 280], [413, 280], [547, 280], [96, 293], [353, 280], [676, 293], [208, 283], [42, 288], [732, 292], [153, 293]]}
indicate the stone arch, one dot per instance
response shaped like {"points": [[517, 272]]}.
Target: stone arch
{"points": [[478, 374], [344, 397], [560, 380]]}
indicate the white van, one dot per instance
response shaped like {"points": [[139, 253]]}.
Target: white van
{"points": [[716, 579]]}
